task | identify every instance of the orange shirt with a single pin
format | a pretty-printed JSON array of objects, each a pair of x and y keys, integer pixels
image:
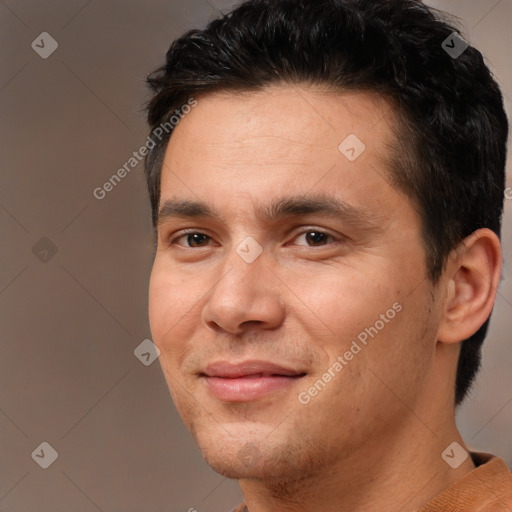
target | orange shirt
[{"x": 488, "y": 488}]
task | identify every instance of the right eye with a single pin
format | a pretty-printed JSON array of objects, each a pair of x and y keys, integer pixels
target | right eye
[{"x": 192, "y": 237}]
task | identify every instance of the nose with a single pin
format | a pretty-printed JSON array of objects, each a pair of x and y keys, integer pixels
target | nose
[{"x": 248, "y": 293}]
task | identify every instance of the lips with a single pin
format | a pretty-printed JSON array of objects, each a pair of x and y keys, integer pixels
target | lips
[
  {"x": 247, "y": 381},
  {"x": 227, "y": 370}
]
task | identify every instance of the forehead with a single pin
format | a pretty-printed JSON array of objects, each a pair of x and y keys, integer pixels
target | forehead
[
  {"x": 299, "y": 114},
  {"x": 283, "y": 138}
]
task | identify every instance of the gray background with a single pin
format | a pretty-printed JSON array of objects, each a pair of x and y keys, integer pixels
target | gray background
[{"x": 69, "y": 325}]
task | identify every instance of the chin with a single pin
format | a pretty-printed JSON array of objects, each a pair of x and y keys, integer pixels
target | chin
[
  {"x": 230, "y": 469},
  {"x": 245, "y": 458},
  {"x": 247, "y": 463}
]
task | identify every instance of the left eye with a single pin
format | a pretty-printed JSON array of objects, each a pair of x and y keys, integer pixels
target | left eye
[{"x": 313, "y": 237}]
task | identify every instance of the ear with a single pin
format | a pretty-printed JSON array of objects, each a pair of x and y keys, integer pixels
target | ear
[{"x": 471, "y": 277}]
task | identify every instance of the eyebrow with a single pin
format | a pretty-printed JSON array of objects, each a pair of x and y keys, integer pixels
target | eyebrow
[{"x": 275, "y": 210}]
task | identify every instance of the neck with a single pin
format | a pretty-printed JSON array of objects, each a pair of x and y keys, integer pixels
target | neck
[
  {"x": 398, "y": 476},
  {"x": 398, "y": 469}
]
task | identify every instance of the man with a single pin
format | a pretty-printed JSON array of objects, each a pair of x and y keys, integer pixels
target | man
[{"x": 327, "y": 214}]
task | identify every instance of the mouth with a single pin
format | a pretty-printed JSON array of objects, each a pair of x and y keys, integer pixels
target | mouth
[{"x": 247, "y": 381}]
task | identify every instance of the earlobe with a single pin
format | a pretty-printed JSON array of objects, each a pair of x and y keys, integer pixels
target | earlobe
[{"x": 473, "y": 275}]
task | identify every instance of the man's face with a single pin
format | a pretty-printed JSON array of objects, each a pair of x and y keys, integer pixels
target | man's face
[{"x": 252, "y": 312}]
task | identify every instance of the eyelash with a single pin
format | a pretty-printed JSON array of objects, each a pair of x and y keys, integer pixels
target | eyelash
[{"x": 172, "y": 241}]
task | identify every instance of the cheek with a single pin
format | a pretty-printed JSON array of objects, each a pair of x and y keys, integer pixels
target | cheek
[
  {"x": 167, "y": 304},
  {"x": 173, "y": 313},
  {"x": 373, "y": 326},
  {"x": 343, "y": 303},
  {"x": 159, "y": 302}
]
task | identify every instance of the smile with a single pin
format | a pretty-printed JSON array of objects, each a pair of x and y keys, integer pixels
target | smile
[{"x": 249, "y": 387}]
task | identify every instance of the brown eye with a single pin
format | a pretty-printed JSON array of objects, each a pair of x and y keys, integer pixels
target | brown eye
[
  {"x": 315, "y": 238},
  {"x": 193, "y": 239},
  {"x": 196, "y": 238}
]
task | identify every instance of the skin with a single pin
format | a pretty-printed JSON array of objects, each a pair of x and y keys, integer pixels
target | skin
[{"x": 372, "y": 438}]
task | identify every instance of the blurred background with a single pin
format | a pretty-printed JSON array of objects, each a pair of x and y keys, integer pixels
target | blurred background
[{"x": 74, "y": 268}]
